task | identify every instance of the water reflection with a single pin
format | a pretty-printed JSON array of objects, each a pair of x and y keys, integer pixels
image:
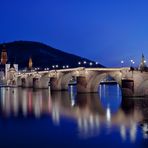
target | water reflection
[
  {"x": 110, "y": 97},
  {"x": 16, "y": 101},
  {"x": 93, "y": 115}
]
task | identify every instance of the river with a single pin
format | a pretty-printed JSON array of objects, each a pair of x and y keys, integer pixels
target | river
[{"x": 41, "y": 118}]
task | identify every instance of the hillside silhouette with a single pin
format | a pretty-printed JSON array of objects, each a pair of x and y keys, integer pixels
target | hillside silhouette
[{"x": 42, "y": 55}]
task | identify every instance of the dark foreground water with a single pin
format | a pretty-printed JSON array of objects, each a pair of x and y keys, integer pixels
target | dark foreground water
[{"x": 41, "y": 119}]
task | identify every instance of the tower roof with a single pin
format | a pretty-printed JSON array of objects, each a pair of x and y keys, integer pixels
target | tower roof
[
  {"x": 4, "y": 55},
  {"x": 30, "y": 63}
]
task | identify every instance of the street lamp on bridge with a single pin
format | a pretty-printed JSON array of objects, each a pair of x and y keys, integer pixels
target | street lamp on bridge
[
  {"x": 84, "y": 62},
  {"x": 90, "y": 63},
  {"x": 132, "y": 62},
  {"x": 122, "y": 62},
  {"x": 79, "y": 63}
]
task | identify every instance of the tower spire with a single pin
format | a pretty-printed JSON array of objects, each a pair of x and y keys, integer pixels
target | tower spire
[
  {"x": 142, "y": 65},
  {"x": 30, "y": 63},
  {"x": 4, "y": 56}
]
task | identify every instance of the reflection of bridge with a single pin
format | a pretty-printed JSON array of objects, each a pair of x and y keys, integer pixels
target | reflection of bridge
[
  {"x": 87, "y": 110},
  {"x": 133, "y": 83}
]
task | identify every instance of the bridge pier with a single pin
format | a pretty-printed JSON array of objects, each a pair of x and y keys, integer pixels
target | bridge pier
[
  {"x": 127, "y": 87},
  {"x": 82, "y": 85},
  {"x": 27, "y": 82},
  {"x": 19, "y": 81},
  {"x": 86, "y": 85},
  {"x": 55, "y": 84},
  {"x": 42, "y": 82}
]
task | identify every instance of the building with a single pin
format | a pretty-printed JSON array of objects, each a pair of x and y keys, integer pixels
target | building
[{"x": 7, "y": 71}]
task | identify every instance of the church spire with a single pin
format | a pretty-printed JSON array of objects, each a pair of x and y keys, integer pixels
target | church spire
[
  {"x": 30, "y": 63},
  {"x": 142, "y": 65},
  {"x": 4, "y": 56}
]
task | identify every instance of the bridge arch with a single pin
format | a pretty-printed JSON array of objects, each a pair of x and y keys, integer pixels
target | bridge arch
[
  {"x": 66, "y": 78},
  {"x": 91, "y": 81},
  {"x": 142, "y": 89}
]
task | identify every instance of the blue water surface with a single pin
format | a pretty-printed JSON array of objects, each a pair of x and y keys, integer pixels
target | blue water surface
[{"x": 43, "y": 119}]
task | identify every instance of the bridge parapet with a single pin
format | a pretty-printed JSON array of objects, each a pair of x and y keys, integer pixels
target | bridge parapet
[{"x": 88, "y": 79}]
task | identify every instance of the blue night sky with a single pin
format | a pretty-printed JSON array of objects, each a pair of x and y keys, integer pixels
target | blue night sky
[{"x": 106, "y": 31}]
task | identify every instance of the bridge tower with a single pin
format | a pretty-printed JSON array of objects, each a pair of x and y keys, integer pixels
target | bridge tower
[
  {"x": 3, "y": 62},
  {"x": 4, "y": 56}
]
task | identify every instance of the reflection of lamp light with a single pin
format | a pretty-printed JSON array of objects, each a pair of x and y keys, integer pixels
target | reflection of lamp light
[
  {"x": 145, "y": 130},
  {"x": 88, "y": 126},
  {"x": 133, "y": 131},
  {"x": 72, "y": 102},
  {"x": 24, "y": 105},
  {"x": 37, "y": 109},
  {"x": 72, "y": 94},
  {"x": 97, "y": 120},
  {"x": 80, "y": 123},
  {"x": 108, "y": 114},
  {"x": 15, "y": 102},
  {"x": 85, "y": 125},
  {"x": 91, "y": 121},
  {"x": 55, "y": 114},
  {"x": 123, "y": 132}
]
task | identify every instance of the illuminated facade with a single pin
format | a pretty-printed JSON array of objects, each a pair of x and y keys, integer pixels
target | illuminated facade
[{"x": 10, "y": 69}]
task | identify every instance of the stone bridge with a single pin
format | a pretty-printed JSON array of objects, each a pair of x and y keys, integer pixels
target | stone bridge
[{"x": 132, "y": 83}]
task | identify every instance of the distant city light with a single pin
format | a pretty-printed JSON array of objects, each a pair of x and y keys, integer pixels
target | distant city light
[
  {"x": 57, "y": 66},
  {"x": 96, "y": 63},
  {"x": 67, "y": 66},
  {"x": 63, "y": 66},
  {"x": 53, "y": 66}
]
